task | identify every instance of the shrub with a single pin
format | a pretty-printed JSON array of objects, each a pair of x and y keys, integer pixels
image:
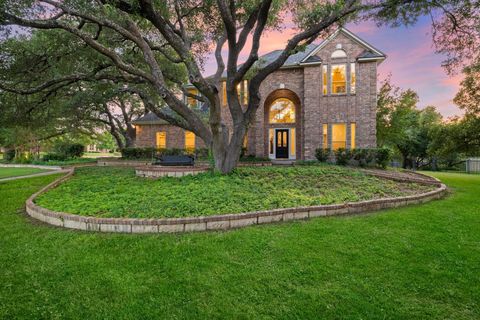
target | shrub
[
  {"x": 54, "y": 157},
  {"x": 9, "y": 155},
  {"x": 138, "y": 153},
  {"x": 69, "y": 150},
  {"x": 342, "y": 156},
  {"x": 322, "y": 154},
  {"x": 383, "y": 157},
  {"x": 149, "y": 152},
  {"x": 201, "y": 153},
  {"x": 363, "y": 157}
]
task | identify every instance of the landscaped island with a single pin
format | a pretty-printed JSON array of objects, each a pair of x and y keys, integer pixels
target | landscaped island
[{"x": 117, "y": 192}]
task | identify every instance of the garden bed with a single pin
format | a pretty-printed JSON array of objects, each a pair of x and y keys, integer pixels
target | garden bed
[{"x": 118, "y": 193}]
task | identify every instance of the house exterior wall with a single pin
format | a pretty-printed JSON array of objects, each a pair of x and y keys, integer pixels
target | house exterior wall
[
  {"x": 317, "y": 109},
  {"x": 304, "y": 86},
  {"x": 146, "y": 136}
]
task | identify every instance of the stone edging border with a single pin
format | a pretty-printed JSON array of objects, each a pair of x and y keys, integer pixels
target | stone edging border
[{"x": 219, "y": 222}]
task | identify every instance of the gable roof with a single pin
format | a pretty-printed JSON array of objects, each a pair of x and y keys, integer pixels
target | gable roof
[
  {"x": 292, "y": 61},
  {"x": 375, "y": 53},
  {"x": 149, "y": 118},
  {"x": 308, "y": 56}
]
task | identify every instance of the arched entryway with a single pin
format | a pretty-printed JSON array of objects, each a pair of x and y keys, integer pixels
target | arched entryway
[{"x": 282, "y": 125}]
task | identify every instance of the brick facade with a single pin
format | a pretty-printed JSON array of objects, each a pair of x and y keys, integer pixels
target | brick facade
[
  {"x": 303, "y": 84},
  {"x": 146, "y": 136}
]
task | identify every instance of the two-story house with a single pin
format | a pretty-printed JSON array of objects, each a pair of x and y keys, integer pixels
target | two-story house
[{"x": 323, "y": 97}]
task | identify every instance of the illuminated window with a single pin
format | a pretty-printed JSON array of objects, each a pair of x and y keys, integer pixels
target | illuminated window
[
  {"x": 339, "y": 79},
  {"x": 161, "y": 140},
  {"x": 353, "y": 78},
  {"x": 245, "y": 91},
  {"x": 339, "y": 53},
  {"x": 339, "y": 136},
  {"x": 282, "y": 111},
  {"x": 189, "y": 140},
  {"x": 353, "y": 133},
  {"x": 245, "y": 141},
  {"x": 224, "y": 93},
  {"x": 325, "y": 73},
  {"x": 270, "y": 140},
  {"x": 242, "y": 91},
  {"x": 292, "y": 142},
  {"x": 192, "y": 102},
  {"x": 325, "y": 136}
]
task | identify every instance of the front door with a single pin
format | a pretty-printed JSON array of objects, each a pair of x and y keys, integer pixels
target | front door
[{"x": 281, "y": 144}]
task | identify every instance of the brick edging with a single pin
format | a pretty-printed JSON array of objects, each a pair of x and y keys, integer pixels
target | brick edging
[{"x": 217, "y": 222}]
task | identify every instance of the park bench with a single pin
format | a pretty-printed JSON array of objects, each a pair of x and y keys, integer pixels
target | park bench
[{"x": 180, "y": 160}]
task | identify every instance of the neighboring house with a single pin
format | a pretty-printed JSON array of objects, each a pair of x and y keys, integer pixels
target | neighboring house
[
  {"x": 324, "y": 97},
  {"x": 96, "y": 148}
]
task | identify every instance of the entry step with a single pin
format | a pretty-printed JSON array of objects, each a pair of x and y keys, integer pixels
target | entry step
[{"x": 282, "y": 162}]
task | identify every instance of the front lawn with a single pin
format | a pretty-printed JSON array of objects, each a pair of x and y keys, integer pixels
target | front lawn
[
  {"x": 117, "y": 192},
  {"x": 416, "y": 262},
  {"x": 7, "y": 172}
]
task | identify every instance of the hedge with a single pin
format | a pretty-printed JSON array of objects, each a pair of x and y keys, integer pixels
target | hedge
[
  {"x": 150, "y": 152},
  {"x": 362, "y": 157}
]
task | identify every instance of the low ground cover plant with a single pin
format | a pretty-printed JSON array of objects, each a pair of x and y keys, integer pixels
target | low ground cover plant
[
  {"x": 414, "y": 262},
  {"x": 117, "y": 192}
]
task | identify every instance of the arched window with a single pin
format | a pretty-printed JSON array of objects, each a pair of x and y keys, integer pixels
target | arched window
[
  {"x": 339, "y": 53},
  {"x": 282, "y": 111}
]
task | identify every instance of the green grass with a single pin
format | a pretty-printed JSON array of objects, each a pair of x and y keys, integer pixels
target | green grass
[
  {"x": 416, "y": 262},
  {"x": 16, "y": 172},
  {"x": 117, "y": 192}
]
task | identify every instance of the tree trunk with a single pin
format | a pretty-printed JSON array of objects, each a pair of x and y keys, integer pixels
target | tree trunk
[
  {"x": 227, "y": 153},
  {"x": 130, "y": 135},
  {"x": 118, "y": 138}
]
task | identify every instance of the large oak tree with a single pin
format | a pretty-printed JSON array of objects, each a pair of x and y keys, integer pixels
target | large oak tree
[{"x": 136, "y": 36}]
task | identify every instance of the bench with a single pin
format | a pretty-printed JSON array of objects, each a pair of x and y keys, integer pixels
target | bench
[{"x": 184, "y": 160}]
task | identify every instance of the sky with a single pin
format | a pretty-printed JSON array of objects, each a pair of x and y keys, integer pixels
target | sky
[{"x": 411, "y": 60}]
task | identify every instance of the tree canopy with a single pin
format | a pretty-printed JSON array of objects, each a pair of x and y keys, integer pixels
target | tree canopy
[{"x": 149, "y": 47}]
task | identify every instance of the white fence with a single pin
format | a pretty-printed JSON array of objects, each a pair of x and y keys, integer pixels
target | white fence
[{"x": 473, "y": 165}]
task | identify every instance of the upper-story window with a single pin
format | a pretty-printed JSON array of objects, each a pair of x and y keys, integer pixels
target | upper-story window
[
  {"x": 339, "y": 53},
  {"x": 339, "y": 79},
  {"x": 282, "y": 111},
  {"x": 353, "y": 78},
  {"x": 242, "y": 90},
  {"x": 191, "y": 101},
  {"x": 324, "y": 79},
  {"x": 224, "y": 93}
]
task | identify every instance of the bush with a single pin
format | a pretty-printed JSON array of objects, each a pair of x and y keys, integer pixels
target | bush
[
  {"x": 342, "y": 156},
  {"x": 54, "y": 157},
  {"x": 383, "y": 157},
  {"x": 9, "y": 155},
  {"x": 363, "y": 157},
  {"x": 138, "y": 153},
  {"x": 201, "y": 153},
  {"x": 149, "y": 152},
  {"x": 322, "y": 154},
  {"x": 68, "y": 150}
]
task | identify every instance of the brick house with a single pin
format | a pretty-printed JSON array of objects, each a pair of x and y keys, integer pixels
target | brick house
[{"x": 323, "y": 97}]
